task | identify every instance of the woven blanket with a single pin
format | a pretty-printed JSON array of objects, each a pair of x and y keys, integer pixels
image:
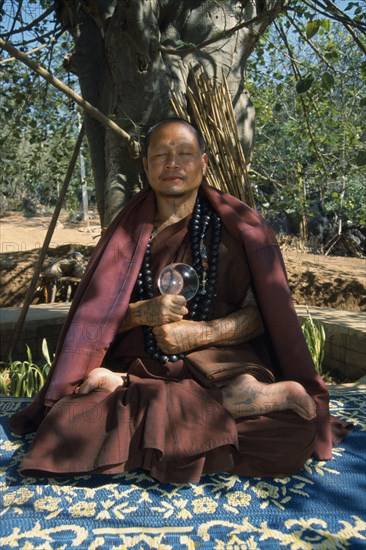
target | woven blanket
[{"x": 321, "y": 508}]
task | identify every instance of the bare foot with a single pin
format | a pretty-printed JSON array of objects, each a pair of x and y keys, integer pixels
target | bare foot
[
  {"x": 245, "y": 396},
  {"x": 101, "y": 379}
]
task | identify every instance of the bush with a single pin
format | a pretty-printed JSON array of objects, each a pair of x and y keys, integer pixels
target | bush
[
  {"x": 315, "y": 338},
  {"x": 25, "y": 378}
]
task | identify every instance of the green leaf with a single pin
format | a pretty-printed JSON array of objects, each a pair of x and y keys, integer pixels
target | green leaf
[
  {"x": 350, "y": 6},
  {"x": 326, "y": 24},
  {"x": 312, "y": 27},
  {"x": 180, "y": 44},
  {"x": 331, "y": 54},
  {"x": 4, "y": 383},
  {"x": 29, "y": 383},
  {"x": 363, "y": 102},
  {"x": 29, "y": 354},
  {"x": 304, "y": 84},
  {"x": 360, "y": 159},
  {"x": 45, "y": 351},
  {"x": 327, "y": 80},
  {"x": 315, "y": 338}
]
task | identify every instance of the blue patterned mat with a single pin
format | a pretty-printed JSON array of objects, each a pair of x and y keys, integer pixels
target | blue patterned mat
[{"x": 322, "y": 508}]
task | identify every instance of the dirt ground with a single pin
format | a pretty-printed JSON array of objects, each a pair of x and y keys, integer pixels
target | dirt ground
[{"x": 332, "y": 281}]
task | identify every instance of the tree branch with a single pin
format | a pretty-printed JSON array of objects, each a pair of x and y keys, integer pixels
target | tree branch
[
  {"x": 33, "y": 24},
  {"x": 343, "y": 18},
  {"x": 266, "y": 177},
  {"x": 90, "y": 109},
  {"x": 332, "y": 11},
  {"x": 217, "y": 37},
  {"x": 8, "y": 59},
  {"x": 20, "y": 5},
  {"x": 355, "y": 38},
  {"x": 309, "y": 42},
  {"x": 304, "y": 108},
  {"x": 41, "y": 38}
]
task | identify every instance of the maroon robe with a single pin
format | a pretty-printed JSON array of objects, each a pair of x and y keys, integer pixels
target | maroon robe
[{"x": 164, "y": 421}]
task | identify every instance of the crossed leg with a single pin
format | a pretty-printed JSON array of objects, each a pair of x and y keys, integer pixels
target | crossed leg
[{"x": 246, "y": 396}]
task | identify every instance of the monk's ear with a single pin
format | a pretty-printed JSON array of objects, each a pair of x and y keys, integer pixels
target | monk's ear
[
  {"x": 144, "y": 162},
  {"x": 204, "y": 163}
]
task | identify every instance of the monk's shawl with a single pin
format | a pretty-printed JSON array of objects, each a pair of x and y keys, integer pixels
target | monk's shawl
[{"x": 103, "y": 295}]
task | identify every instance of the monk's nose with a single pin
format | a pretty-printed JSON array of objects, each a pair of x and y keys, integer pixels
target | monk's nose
[{"x": 172, "y": 159}]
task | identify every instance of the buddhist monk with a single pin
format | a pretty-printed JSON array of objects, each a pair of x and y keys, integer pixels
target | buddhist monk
[{"x": 182, "y": 353}]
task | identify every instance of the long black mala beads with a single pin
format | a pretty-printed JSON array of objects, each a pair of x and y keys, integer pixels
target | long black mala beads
[{"x": 205, "y": 263}]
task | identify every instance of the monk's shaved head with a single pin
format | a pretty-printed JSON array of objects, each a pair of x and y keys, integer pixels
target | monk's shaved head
[{"x": 195, "y": 131}]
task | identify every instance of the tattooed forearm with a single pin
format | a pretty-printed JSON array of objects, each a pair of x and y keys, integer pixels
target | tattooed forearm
[
  {"x": 176, "y": 335},
  {"x": 238, "y": 327}
]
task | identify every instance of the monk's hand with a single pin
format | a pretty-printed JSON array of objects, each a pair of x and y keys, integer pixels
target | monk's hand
[
  {"x": 101, "y": 379},
  {"x": 181, "y": 336},
  {"x": 156, "y": 311}
]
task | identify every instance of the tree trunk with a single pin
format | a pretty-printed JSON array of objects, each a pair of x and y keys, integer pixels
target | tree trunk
[{"x": 130, "y": 54}]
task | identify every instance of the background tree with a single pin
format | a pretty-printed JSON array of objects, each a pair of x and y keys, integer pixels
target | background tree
[
  {"x": 129, "y": 55},
  {"x": 312, "y": 107},
  {"x": 38, "y": 125},
  {"x": 35, "y": 121}
]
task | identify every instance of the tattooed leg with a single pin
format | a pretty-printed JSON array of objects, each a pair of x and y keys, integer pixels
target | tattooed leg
[{"x": 245, "y": 396}]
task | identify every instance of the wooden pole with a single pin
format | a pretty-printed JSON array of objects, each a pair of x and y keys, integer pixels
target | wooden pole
[
  {"x": 41, "y": 47},
  {"x": 90, "y": 109},
  {"x": 34, "y": 281}
]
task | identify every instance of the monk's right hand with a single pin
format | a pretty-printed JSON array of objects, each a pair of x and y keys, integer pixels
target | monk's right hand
[{"x": 156, "y": 311}]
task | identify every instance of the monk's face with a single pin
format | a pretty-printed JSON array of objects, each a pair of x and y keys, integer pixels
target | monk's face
[{"x": 174, "y": 164}]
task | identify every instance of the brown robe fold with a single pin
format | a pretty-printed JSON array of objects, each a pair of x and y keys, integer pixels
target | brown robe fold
[{"x": 164, "y": 421}]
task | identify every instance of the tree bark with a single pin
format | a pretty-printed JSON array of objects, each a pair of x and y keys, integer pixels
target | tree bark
[{"x": 129, "y": 55}]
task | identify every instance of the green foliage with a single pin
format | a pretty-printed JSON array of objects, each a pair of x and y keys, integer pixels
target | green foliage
[
  {"x": 314, "y": 334},
  {"x": 351, "y": 207},
  {"x": 312, "y": 27},
  {"x": 360, "y": 158},
  {"x": 307, "y": 79},
  {"x": 304, "y": 84},
  {"x": 4, "y": 382},
  {"x": 25, "y": 378},
  {"x": 39, "y": 130},
  {"x": 39, "y": 125},
  {"x": 309, "y": 93}
]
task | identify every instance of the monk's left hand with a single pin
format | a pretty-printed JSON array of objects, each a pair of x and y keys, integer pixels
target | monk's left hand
[
  {"x": 180, "y": 336},
  {"x": 100, "y": 379}
]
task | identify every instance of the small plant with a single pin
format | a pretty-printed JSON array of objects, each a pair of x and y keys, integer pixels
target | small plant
[
  {"x": 315, "y": 338},
  {"x": 4, "y": 379},
  {"x": 25, "y": 378}
]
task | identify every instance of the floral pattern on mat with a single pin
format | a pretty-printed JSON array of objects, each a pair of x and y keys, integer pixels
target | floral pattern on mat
[{"x": 321, "y": 508}]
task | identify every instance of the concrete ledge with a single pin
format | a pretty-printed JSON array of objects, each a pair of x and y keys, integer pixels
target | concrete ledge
[
  {"x": 345, "y": 349},
  {"x": 42, "y": 321},
  {"x": 345, "y": 344}
]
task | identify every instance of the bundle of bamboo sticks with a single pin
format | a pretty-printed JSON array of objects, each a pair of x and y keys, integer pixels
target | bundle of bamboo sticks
[{"x": 211, "y": 106}]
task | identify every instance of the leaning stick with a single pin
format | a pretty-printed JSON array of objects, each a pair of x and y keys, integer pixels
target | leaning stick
[
  {"x": 41, "y": 47},
  {"x": 88, "y": 107},
  {"x": 33, "y": 284}
]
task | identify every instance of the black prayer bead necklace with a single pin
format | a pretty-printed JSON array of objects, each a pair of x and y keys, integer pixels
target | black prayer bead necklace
[{"x": 205, "y": 264}]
